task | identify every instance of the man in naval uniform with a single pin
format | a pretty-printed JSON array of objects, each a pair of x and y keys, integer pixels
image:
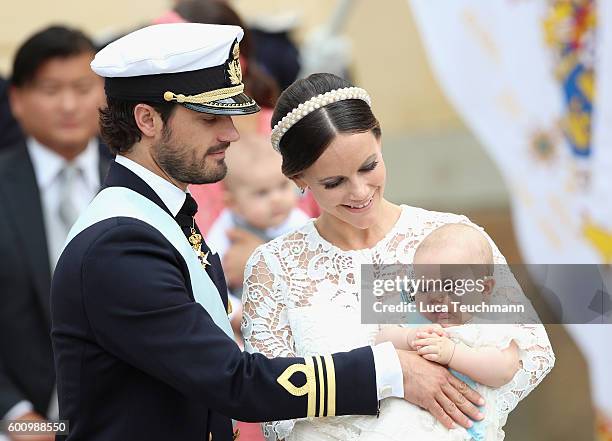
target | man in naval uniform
[{"x": 142, "y": 342}]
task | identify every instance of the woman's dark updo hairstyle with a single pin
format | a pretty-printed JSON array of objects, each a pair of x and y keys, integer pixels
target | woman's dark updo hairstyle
[{"x": 306, "y": 140}]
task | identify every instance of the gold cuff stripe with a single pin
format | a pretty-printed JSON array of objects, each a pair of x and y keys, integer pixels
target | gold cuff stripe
[
  {"x": 321, "y": 385},
  {"x": 331, "y": 385},
  {"x": 326, "y": 382},
  {"x": 311, "y": 383},
  {"x": 309, "y": 388},
  {"x": 205, "y": 97}
]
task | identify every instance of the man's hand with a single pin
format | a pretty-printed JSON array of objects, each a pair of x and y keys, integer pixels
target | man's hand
[
  {"x": 434, "y": 388},
  {"x": 31, "y": 416},
  {"x": 236, "y": 257}
]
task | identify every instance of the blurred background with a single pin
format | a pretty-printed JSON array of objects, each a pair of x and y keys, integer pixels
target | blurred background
[
  {"x": 427, "y": 147},
  {"x": 438, "y": 145}
]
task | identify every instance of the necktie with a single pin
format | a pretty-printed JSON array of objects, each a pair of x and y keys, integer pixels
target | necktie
[{"x": 68, "y": 211}]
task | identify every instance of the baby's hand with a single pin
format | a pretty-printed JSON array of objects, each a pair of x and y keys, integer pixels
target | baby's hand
[
  {"x": 431, "y": 330},
  {"x": 435, "y": 348}
]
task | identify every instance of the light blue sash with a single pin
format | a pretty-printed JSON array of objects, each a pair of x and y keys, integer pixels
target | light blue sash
[{"x": 123, "y": 202}]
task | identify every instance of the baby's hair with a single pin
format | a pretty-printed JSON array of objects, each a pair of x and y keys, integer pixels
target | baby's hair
[{"x": 460, "y": 236}]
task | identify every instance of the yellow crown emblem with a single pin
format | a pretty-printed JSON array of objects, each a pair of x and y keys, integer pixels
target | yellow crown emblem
[{"x": 234, "y": 69}]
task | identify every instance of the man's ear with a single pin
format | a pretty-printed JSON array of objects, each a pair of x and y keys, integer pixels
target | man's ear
[{"x": 148, "y": 120}]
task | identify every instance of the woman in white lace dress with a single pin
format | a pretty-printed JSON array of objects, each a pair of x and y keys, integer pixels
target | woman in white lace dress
[{"x": 302, "y": 290}]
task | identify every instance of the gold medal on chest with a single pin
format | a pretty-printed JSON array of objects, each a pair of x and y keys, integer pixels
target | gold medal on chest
[{"x": 196, "y": 243}]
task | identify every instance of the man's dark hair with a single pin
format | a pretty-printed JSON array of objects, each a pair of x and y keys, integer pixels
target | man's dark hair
[
  {"x": 52, "y": 42},
  {"x": 118, "y": 127}
]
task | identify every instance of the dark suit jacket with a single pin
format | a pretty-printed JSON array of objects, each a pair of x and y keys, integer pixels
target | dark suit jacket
[
  {"x": 10, "y": 132},
  {"x": 138, "y": 359},
  {"x": 26, "y": 358}
]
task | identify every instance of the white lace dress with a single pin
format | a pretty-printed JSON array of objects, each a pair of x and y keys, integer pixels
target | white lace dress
[{"x": 301, "y": 297}]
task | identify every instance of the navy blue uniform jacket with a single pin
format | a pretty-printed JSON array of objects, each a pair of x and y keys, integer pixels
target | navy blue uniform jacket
[{"x": 138, "y": 359}]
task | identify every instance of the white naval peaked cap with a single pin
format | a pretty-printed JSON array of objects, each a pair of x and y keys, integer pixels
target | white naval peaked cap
[
  {"x": 196, "y": 65},
  {"x": 167, "y": 48}
]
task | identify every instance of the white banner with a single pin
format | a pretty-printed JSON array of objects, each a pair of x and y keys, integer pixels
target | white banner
[{"x": 530, "y": 78}]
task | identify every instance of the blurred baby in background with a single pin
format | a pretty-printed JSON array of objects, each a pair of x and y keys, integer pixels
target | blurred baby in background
[{"x": 258, "y": 198}]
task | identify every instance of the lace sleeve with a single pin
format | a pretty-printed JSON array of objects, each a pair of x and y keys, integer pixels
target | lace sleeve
[
  {"x": 535, "y": 351},
  {"x": 264, "y": 322}
]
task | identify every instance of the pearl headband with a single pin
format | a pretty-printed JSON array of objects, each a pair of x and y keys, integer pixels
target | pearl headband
[{"x": 348, "y": 93}]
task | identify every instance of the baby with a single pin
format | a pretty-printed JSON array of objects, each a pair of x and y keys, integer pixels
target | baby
[
  {"x": 258, "y": 199},
  {"x": 469, "y": 257}
]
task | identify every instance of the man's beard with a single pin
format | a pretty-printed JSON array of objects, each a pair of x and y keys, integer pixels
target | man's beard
[{"x": 182, "y": 163}]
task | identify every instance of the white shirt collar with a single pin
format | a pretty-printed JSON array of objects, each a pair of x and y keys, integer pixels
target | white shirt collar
[
  {"x": 172, "y": 196},
  {"x": 47, "y": 163}
]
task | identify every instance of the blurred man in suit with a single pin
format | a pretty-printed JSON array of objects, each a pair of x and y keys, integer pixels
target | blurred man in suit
[
  {"x": 10, "y": 133},
  {"x": 45, "y": 181}
]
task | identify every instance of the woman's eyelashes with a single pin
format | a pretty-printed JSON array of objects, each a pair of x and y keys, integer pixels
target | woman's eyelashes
[
  {"x": 367, "y": 168},
  {"x": 371, "y": 166},
  {"x": 333, "y": 184}
]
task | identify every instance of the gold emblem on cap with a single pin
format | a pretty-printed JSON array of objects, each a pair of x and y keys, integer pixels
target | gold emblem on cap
[
  {"x": 234, "y": 70},
  {"x": 210, "y": 98}
]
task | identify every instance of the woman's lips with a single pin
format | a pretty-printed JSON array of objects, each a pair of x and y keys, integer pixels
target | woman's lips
[{"x": 361, "y": 209}]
